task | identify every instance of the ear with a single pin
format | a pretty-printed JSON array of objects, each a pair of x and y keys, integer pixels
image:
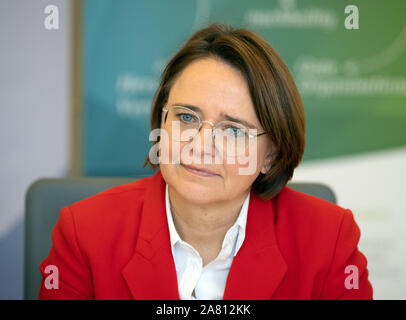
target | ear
[{"x": 268, "y": 161}]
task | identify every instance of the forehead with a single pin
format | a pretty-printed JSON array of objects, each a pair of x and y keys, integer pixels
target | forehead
[{"x": 215, "y": 87}]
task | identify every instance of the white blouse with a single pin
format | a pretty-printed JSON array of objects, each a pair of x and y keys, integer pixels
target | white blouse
[{"x": 208, "y": 282}]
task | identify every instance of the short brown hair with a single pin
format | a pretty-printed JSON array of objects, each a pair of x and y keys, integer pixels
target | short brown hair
[{"x": 276, "y": 100}]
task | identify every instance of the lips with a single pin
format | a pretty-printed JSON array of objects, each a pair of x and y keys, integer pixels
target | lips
[{"x": 199, "y": 171}]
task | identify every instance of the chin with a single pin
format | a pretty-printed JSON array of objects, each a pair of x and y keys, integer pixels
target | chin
[
  {"x": 193, "y": 188},
  {"x": 198, "y": 194}
]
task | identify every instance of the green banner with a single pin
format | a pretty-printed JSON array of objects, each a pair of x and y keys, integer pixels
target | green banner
[{"x": 348, "y": 59}]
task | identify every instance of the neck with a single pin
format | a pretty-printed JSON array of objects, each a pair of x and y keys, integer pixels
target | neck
[{"x": 204, "y": 226}]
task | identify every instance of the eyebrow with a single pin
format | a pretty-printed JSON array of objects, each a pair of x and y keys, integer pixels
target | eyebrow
[{"x": 225, "y": 116}]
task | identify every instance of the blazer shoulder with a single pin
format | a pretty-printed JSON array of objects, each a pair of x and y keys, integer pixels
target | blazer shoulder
[
  {"x": 314, "y": 224},
  {"x": 304, "y": 203},
  {"x": 137, "y": 186},
  {"x": 113, "y": 203},
  {"x": 308, "y": 212}
]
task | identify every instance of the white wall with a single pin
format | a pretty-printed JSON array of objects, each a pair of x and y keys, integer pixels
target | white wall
[{"x": 34, "y": 118}]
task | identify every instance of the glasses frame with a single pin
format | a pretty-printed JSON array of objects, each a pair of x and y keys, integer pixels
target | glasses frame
[{"x": 214, "y": 125}]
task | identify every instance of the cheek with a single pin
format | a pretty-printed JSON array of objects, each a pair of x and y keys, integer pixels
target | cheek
[
  {"x": 236, "y": 183},
  {"x": 169, "y": 150},
  {"x": 250, "y": 163},
  {"x": 242, "y": 174}
]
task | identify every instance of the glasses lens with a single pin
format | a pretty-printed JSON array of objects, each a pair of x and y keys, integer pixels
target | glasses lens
[
  {"x": 182, "y": 123},
  {"x": 231, "y": 139}
]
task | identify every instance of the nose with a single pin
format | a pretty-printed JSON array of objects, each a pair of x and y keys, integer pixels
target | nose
[{"x": 203, "y": 142}]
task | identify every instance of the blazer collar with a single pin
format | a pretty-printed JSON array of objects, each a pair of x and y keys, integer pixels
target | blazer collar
[{"x": 256, "y": 270}]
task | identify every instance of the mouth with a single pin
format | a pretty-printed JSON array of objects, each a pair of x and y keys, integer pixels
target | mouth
[{"x": 199, "y": 171}]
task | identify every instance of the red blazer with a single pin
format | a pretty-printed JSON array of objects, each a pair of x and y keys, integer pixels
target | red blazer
[{"x": 115, "y": 245}]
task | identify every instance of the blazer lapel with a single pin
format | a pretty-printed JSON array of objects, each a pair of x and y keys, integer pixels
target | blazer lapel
[
  {"x": 151, "y": 273},
  {"x": 258, "y": 267}
]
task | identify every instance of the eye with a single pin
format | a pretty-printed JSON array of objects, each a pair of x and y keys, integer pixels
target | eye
[
  {"x": 235, "y": 132},
  {"x": 186, "y": 118}
]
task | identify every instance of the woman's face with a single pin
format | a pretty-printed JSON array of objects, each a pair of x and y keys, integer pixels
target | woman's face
[{"x": 219, "y": 92}]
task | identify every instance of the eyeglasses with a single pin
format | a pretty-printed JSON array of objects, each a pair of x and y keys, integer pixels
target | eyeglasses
[{"x": 230, "y": 138}]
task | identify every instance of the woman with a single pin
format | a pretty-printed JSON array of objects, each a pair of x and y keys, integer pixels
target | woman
[{"x": 217, "y": 221}]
